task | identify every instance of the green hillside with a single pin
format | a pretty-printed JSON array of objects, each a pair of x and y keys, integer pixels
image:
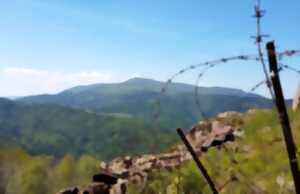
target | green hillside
[
  {"x": 56, "y": 130},
  {"x": 137, "y": 98},
  {"x": 255, "y": 163}
]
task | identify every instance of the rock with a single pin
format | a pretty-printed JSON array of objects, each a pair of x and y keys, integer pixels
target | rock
[
  {"x": 74, "y": 190},
  {"x": 120, "y": 187},
  {"x": 117, "y": 173},
  {"x": 228, "y": 114},
  {"x": 105, "y": 178},
  {"x": 97, "y": 188},
  {"x": 296, "y": 101},
  {"x": 219, "y": 134}
]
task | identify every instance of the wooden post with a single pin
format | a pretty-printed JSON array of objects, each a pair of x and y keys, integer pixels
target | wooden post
[
  {"x": 196, "y": 159},
  {"x": 283, "y": 116}
]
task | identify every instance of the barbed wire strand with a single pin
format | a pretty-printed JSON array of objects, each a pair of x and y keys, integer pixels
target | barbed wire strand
[
  {"x": 263, "y": 82},
  {"x": 288, "y": 53},
  {"x": 200, "y": 75},
  {"x": 193, "y": 67},
  {"x": 197, "y": 99},
  {"x": 258, "y": 85},
  {"x": 258, "y": 40},
  {"x": 290, "y": 68},
  {"x": 259, "y": 13}
]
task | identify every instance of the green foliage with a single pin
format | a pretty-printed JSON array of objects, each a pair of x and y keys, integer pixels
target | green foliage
[
  {"x": 24, "y": 174},
  {"x": 255, "y": 163},
  {"x": 57, "y": 131},
  {"x": 182, "y": 180},
  {"x": 137, "y": 98}
]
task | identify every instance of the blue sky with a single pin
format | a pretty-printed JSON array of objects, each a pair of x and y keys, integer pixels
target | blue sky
[{"x": 47, "y": 46}]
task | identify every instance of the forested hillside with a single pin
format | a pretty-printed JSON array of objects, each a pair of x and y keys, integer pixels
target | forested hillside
[
  {"x": 56, "y": 131},
  {"x": 138, "y": 98},
  {"x": 109, "y": 120},
  {"x": 255, "y": 163}
]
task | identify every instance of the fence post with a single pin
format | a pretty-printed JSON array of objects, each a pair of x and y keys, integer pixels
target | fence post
[
  {"x": 283, "y": 116},
  {"x": 196, "y": 159}
]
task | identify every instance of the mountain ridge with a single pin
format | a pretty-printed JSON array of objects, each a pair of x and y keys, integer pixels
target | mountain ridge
[
  {"x": 147, "y": 81},
  {"x": 138, "y": 97}
]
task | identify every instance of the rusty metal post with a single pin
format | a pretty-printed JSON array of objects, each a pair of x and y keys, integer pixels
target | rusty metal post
[
  {"x": 198, "y": 162},
  {"x": 283, "y": 116}
]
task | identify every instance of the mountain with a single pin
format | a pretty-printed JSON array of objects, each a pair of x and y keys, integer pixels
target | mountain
[
  {"x": 57, "y": 130},
  {"x": 137, "y": 97},
  {"x": 108, "y": 120}
]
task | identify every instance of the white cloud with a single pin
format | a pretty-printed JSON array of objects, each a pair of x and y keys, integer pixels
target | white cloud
[{"x": 16, "y": 81}]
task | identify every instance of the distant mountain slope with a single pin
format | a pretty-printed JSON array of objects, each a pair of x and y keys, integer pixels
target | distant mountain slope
[
  {"x": 56, "y": 130},
  {"x": 137, "y": 97}
]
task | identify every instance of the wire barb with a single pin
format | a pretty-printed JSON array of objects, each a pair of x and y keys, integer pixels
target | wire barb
[
  {"x": 283, "y": 66},
  {"x": 263, "y": 82},
  {"x": 254, "y": 88},
  {"x": 206, "y": 65},
  {"x": 259, "y": 13},
  {"x": 288, "y": 53}
]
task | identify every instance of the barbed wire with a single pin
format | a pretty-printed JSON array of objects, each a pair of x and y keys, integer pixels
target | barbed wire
[
  {"x": 259, "y": 13},
  {"x": 197, "y": 87},
  {"x": 288, "y": 53},
  {"x": 207, "y": 64},
  {"x": 197, "y": 99},
  {"x": 283, "y": 66},
  {"x": 263, "y": 82},
  {"x": 258, "y": 85}
]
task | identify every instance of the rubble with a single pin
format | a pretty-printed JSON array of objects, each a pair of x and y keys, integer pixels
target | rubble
[{"x": 117, "y": 173}]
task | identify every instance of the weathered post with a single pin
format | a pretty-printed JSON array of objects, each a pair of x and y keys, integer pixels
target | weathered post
[
  {"x": 196, "y": 159},
  {"x": 283, "y": 116}
]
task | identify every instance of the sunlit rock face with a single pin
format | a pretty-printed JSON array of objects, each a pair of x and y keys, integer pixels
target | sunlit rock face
[{"x": 296, "y": 101}]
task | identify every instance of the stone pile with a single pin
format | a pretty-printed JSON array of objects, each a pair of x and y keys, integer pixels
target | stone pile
[{"x": 116, "y": 174}]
